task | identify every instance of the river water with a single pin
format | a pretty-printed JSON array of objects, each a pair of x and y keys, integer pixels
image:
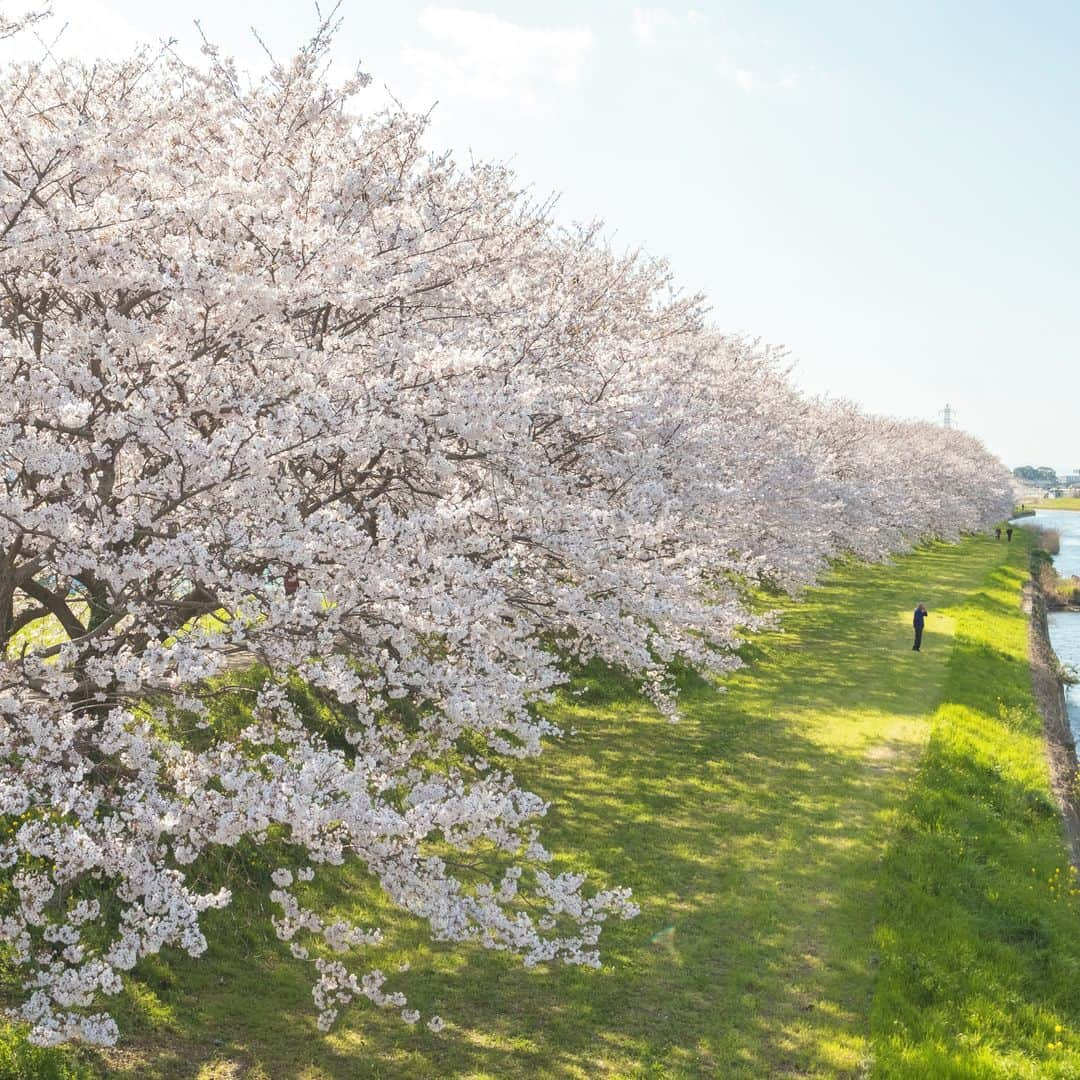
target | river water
[{"x": 1065, "y": 625}]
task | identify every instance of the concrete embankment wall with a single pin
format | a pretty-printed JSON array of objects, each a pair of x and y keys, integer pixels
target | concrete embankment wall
[{"x": 1049, "y": 693}]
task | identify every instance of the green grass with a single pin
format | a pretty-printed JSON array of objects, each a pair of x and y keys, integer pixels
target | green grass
[
  {"x": 43, "y": 633},
  {"x": 978, "y": 938},
  {"x": 1054, "y": 504},
  {"x": 844, "y": 863}
]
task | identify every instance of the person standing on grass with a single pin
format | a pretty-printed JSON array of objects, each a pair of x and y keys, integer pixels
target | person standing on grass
[
  {"x": 1008, "y": 533},
  {"x": 997, "y": 533},
  {"x": 918, "y": 622}
]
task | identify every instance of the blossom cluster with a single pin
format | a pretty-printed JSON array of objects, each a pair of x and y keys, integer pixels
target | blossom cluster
[{"x": 281, "y": 387}]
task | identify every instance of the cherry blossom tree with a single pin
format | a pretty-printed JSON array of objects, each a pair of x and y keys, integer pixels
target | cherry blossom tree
[
  {"x": 280, "y": 388},
  {"x": 12, "y": 24}
]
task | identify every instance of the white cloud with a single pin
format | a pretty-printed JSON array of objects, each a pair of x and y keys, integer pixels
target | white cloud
[
  {"x": 647, "y": 24},
  {"x": 744, "y": 62},
  {"x": 754, "y": 81},
  {"x": 482, "y": 57},
  {"x": 744, "y": 80}
]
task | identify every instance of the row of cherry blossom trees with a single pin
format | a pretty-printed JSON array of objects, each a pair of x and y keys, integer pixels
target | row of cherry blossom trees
[{"x": 281, "y": 387}]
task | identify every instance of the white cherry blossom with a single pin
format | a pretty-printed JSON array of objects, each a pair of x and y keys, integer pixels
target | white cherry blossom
[{"x": 281, "y": 388}]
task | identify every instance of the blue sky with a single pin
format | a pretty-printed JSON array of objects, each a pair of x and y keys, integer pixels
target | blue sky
[{"x": 888, "y": 190}]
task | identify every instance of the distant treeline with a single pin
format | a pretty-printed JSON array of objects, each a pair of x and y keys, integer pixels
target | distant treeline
[{"x": 1037, "y": 474}]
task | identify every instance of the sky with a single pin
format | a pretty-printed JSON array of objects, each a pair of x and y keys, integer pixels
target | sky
[{"x": 888, "y": 190}]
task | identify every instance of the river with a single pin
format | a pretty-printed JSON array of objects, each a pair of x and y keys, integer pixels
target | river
[{"x": 1065, "y": 625}]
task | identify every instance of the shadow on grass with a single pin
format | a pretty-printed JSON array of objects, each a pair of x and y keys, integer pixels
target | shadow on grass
[
  {"x": 751, "y": 833},
  {"x": 980, "y": 936}
]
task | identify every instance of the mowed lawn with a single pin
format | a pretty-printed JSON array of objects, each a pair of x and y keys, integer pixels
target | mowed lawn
[
  {"x": 821, "y": 894},
  {"x": 1063, "y": 503}
]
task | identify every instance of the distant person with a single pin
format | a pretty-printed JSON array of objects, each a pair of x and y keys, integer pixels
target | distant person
[
  {"x": 1008, "y": 533},
  {"x": 997, "y": 533},
  {"x": 918, "y": 622}
]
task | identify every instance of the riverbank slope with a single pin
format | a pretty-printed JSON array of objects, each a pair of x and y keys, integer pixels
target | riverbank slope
[
  {"x": 978, "y": 933},
  {"x": 848, "y": 863}
]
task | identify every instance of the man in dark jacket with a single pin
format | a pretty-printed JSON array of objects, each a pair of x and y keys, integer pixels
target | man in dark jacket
[{"x": 918, "y": 622}]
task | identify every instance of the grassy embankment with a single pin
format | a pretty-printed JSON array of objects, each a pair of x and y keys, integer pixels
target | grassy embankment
[
  {"x": 850, "y": 859},
  {"x": 1054, "y": 504}
]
